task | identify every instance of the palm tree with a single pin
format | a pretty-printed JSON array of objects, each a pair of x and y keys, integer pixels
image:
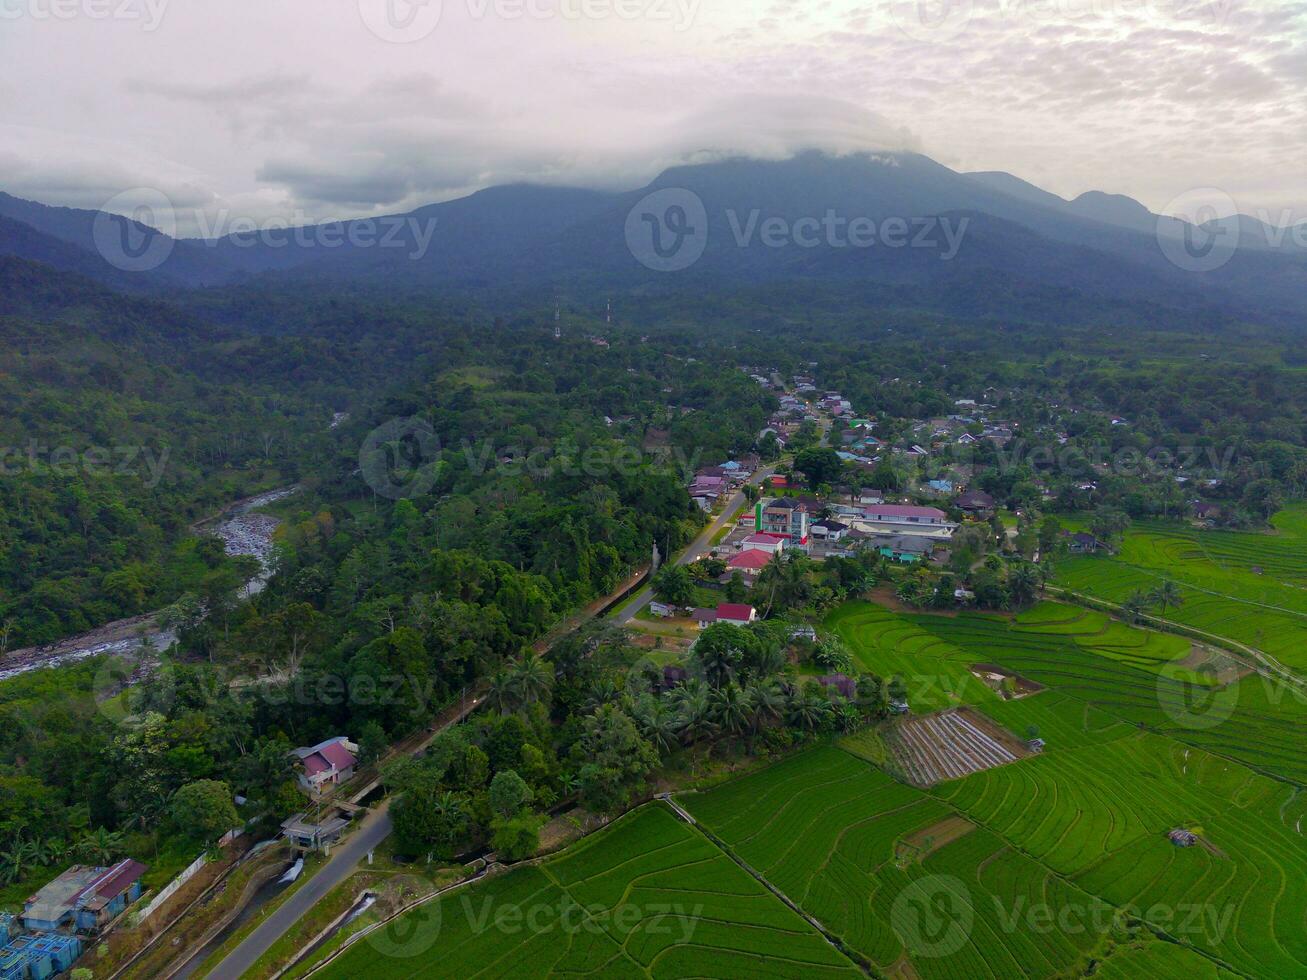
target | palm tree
[
  {"x": 1025, "y": 583},
  {"x": 1135, "y": 606},
  {"x": 693, "y": 712},
  {"x": 767, "y": 703},
  {"x": 1168, "y": 596},
  {"x": 731, "y": 709},
  {"x": 100, "y": 845},
  {"x": 807, "y": 711},
  {"x": 502, "y": 694},
  {"x": 14, "y": 862},
  {"x": 660, "y": 727},
  {"x": 534, "y": 678}
]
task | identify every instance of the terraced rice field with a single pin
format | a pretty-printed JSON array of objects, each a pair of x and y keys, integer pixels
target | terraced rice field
[
  {"x": 949, "y": 745},
  {"x": 1249, "y": 587},
  {"x": 825, "y": 828},
  {"x": 648, "y": 897},
  {"x": 1119, "y": 676}
]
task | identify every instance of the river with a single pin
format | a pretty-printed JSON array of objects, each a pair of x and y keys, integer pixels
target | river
[{"x": 244, "y": 530}]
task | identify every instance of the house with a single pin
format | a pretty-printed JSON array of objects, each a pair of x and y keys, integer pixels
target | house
[
  {"x": 975, "y": 503},
  {"x": 1206, "y": 512},
  {"x": 907, "y": 549},
  {"x": 749, "y": 563},
  {"x": 940, "y": 486},
  {"x": 703, "y": 618},
  {"x": 317, "y": 834},
  {"x": 84, "y": 899},
  {"x": 843, "y": 685},
  {"x": 1081, "y": 543},
  {"x": 867, "y": 497},
  {"x": 661, "y": 609},
  {"x": 785, "y": 517},
  {"x": 326, "y": 764},
  {"x": 765, "y": 542},
  {"x": 830, "y": 530},
  {"x": 905, "y": 514},
  {"x": 736, "y": 613},
  {"x": 803, "y": 633}
]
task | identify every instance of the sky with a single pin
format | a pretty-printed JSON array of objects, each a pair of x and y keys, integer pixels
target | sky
[{"x": 304, "y": 110}]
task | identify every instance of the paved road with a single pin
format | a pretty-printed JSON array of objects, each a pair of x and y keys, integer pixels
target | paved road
[
  {"x": 375, "y": 828},
  {"x": 697, "y": 548}
]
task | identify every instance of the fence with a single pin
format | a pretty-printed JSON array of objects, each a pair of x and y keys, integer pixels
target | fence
[{"x": 170, "y": 889}]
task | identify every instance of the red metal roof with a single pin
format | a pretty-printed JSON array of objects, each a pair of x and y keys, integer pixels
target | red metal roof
[
  {"x": 750, "y": 559},
  {"x": 735, "y": 610},
  {"x": 337, "y": 755}
]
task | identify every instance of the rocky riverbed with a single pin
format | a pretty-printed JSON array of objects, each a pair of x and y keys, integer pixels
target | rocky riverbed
[{"x": 244, "y": 530}]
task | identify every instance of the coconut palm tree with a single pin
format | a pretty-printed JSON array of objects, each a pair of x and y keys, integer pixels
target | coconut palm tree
[
  {"x": 767, "y": 703},
  {"x": 1168, "y": 596},
  {"x": 100, "y": 845},
  {"x": 807, "y": 711},
  {"x": 731, "y": 708},
  {"x": 1135, "y": 606},
  {"x": 534, "y": 677},
  {"x": 502, "y": 693}
]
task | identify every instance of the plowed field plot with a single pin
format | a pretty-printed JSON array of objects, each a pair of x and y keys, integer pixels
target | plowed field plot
[
  {"x": 949, "y": 745},
  {"x": 647, "y": 897}
]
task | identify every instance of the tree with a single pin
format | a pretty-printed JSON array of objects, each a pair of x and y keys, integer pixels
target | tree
[
  {"x": 821, "y": 464},
  {"x": 502, "y": 694},
  {"x": 100, "y": 846},
  {"x": 1135, "y": 606},
  {"x": 674, "y": 585},
  {"x": 509, "y": 794},
  {"x": 1024, "y": 582},
  {"x": 731, "y": 709},
  {"x": 534, "y": 679},
  {"x": 205, "y": 810},
  {"x": 517, "y": 838},
  {"x": 372, "y": 743},
  {"x": 1108, "y": 524},
  {"x": 720, "y": 652},
  {"x": 1167, "y": 596},
  {"x": 613, "y": 759}
]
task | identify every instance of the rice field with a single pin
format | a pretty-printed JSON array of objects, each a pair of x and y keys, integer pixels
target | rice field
[
  {"x": 826, "y": 829},
  {"x": 1120, "y": 677},
  {"x": 646, "y": 897},
  {"x": 1246, "y": 586}
]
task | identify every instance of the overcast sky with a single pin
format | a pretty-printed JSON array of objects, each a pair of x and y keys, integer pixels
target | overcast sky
[{"x": 311, "y": 109}]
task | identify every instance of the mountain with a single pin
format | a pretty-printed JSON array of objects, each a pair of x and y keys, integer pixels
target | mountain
[{"x": 1014, "y": 248}]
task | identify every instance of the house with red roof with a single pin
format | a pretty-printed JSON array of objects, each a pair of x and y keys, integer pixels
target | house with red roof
[
  {"x": 326, "y": 764},
  {"x": 736, "y": 613},
  {"x": 765, "y": 542}
]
